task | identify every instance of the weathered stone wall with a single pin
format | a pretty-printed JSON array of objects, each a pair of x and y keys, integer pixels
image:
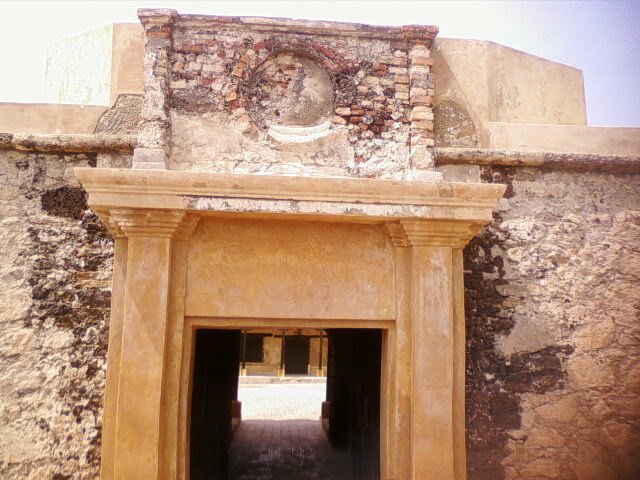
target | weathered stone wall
[
  {"x": 55, "y": 282},
  {"x": 553, "y": 329},
  {"x": 249, "y": 98},
  {"x": 553, "y": 334}
]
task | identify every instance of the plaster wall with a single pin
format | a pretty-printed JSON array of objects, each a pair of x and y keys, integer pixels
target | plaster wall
[
  {"x": 524, "y": 88},
  {"x": 553, "y": 337},
  {"x": 552, "y": 331},
  {"x": 607, "y": 141},
  {"x": 55, "y": 284},
  {"x": 495, "y": 83},
  {"x": 126, "y": 60},
  {"x": 49, "y": 118},
  {"x": 78, "y": 68},
  {"x": 271, "y": 350},
  {"x": 94, "y": 67}
]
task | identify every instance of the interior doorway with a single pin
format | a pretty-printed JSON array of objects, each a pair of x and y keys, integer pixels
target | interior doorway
[
  {"x": 344, "y": 445},
  {"x": 296, "y": 355}
]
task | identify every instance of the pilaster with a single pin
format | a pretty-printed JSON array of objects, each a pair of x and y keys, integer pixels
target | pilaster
[
  {"x": 154, "y": 139},
  {"x": 430, "y": 319},
  {"x": 145, "y": 318},
  {"x": 113, "y": 354}
]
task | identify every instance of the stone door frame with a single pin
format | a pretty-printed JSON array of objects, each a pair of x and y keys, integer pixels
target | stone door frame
[
  {"x": 192, "y": 324},
  {"x": 152, "y": 214}
]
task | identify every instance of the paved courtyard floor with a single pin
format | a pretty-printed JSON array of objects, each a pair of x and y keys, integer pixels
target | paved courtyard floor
[
  {"x": 281, "y": 438},
  {"x": 281, "y": 401}
]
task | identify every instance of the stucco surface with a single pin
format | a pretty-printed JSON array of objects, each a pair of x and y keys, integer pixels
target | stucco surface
[
  {"x": 608, "y": 141},
  {"x": 94, "y": 67},
  {"x": 126, "y": 60},
  {"x": 500, "y": 84},
  {"x": 289, "y": 270},
  {"x": 78, "y": 68},
  {"x": 48, "y": 118}
]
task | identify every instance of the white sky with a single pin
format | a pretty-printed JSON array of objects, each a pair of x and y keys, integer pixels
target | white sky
[{"x": 600, "y": 37}]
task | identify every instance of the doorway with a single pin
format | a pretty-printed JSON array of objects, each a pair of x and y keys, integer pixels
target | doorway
[
  {"x": 296, "y": 355},
  {"x": 345, "y": 445}
]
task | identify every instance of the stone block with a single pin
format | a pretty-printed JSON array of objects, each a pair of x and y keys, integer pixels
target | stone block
[{"x": 149, "y": 158}]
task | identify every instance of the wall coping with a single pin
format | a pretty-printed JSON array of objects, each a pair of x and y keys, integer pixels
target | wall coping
[
  {"x": 425, "y": 33},
  {"x": 575, "y": 162},
  {"x": 68, "y": 143}
]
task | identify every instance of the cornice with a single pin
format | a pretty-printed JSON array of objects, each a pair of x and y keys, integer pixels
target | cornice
[
  {"x": 68, "y": 143},
  {"x": 157, "y": 16},
  {"x": 179, "y": 189}
]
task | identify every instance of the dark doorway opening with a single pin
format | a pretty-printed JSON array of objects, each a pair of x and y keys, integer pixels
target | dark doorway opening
[
  {"x": 296, "y": 356},
  {"x": 353, "y": 394},
  {"x": 351, "y": 413},
  {"x": 215, "y": 388}
]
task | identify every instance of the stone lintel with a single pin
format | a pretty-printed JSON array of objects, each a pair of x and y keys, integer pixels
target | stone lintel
[{"x": 432, "y": 232}]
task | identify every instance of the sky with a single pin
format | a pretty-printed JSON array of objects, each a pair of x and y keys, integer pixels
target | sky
[{"x": 602, "y": 38}]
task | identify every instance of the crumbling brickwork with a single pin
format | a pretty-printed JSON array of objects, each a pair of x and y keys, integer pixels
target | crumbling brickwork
[
  {"x": 56, "y": 283},
  {"x": 553, "y": 337},
  {"x": 356, "y": 102}
]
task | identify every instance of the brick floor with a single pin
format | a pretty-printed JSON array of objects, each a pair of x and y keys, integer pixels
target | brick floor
[{"x": 285, "y": 450}]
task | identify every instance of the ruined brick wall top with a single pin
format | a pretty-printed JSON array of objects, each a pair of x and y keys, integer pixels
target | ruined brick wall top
[{"x": 257, "y": 94}]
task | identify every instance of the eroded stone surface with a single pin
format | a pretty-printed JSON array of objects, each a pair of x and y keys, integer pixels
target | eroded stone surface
[
  {"x": 290, "y": 90},
  {"x": 123, "y": 118},
  {"x": 55, "y": 273},
  {"x": 552, "y": 331}
]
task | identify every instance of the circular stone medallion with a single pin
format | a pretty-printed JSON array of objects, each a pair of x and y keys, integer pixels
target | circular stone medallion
[{"x": 290, "y": 90}]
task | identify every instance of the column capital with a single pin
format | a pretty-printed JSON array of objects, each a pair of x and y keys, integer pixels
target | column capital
[
  {"x": 436, "y": 233},
  {"x": 131, "y": 222}
]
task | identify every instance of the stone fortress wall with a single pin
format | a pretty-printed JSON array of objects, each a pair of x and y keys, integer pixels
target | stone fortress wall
[{"x": 551, "y": 286}]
